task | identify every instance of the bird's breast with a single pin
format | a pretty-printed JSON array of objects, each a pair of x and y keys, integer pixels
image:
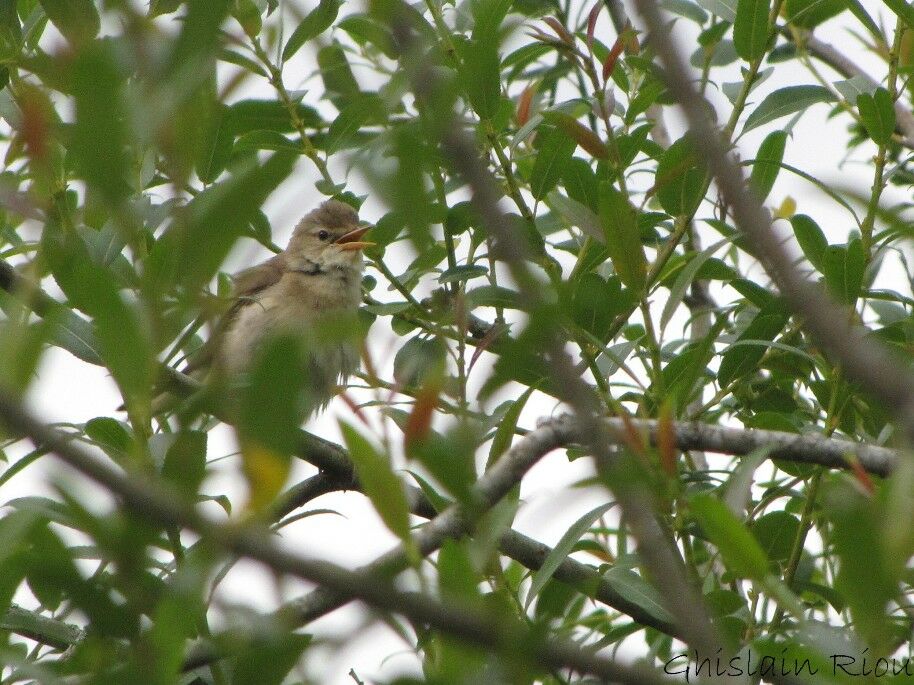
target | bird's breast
[{"x": 312, "y": 307}]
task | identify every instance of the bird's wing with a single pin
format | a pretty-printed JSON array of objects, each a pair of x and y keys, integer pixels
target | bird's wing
[
  {"x": 247, "y": 284},
  {"x": 250, "y": 281}
]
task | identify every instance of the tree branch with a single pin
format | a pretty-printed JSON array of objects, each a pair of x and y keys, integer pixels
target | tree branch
[
  {"x": 154, "y": 502},
  {"x": 41, "y": 629}
]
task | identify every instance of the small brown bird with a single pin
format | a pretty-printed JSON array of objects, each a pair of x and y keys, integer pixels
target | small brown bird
[{"x": 310, "y": 287}]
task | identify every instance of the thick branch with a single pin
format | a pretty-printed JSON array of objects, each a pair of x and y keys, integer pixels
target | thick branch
[
  {"x": 41, "y": 629},
  {"x": 153, "y": 502}
]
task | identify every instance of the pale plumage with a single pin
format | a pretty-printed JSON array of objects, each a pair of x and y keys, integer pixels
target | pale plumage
[{"x": 309, "y": 289}]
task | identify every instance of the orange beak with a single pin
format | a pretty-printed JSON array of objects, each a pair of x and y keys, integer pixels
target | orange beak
[{"x": 350, "y": 241}]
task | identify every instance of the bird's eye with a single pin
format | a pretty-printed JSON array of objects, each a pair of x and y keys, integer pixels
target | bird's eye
[{"x": 323, "y": 235}]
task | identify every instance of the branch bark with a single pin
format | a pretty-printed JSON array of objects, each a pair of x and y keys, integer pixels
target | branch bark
[{"x": 153, "y": 502}]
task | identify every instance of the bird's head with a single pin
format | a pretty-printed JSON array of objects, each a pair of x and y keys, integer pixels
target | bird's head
[{"x": 329, "y": 236}]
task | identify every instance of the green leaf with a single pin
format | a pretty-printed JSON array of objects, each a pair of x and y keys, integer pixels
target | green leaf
[
  {"x": 562, "y": 549},
  {"x": 77, "y": 20},
  {"x": 738, "y": 360},
  {"x": 479, "y": 75},
  {"x": 247, "y": 14},
  {"x": 858, "y": 537},
  {"x": 552, "y": 157},
  {"x": 268, "y": 658},
  {"x": 339, "y": 81},
  {"x": 810, "y": 238},
  {"x": 596, "y": 301},
  {"x": 767, "y": 163},
  {"x": 99, "y": 136},
  {"x": 903, "y": 10},
  {"x": 623, "y": 238},
  {"x": 216, "y": 145},
  {"x": 589, "y": 141},
  {"x": 581, "y": 183},
  {"x": 808, "y": 14},
  {"x": 364, "y": 29},
  {"x": 274, "y": 401},
  {"x": 192, "y": 250},
  {"x": 456, "y": 577},
  {"x": 740, "y": 551},
  {"x": 245, "y": 116},
  {"x": 185, "y": 461},
  {"x": 200, "y": 36},
  {"x": 750, "y": 30},
  {"x": 317, "y": 21},
  {"x": 776, "y": 532},
  {"x": 504, "y": 434},
  {"x": 684, "y": 280},
  {"x": 576, "y": 214},
  {"x": 160, "y": 7},
  {"x": 786, "y": 101},
  {"x": 725, "y": 9},
  {"x": 462, "y": 273},
  {"x": 638, "y": 591},
  {"x": 362, "y": 109},
  {"x": 687, "y": 9},
  {"x": 680, "y": 178},
  {"x": 682, "y": 375},
  {"x": 380, "y": 483},
  {"x": 878, "y": 114},
  {"x": 419, "y": 360},
  {"x": 843, "y": 268},
  {"x": 74, "y": 334},
  {"x": 488, "y": 16},
  {"x": 122, "y": 339},
  {"x": 111, "y": 435}
]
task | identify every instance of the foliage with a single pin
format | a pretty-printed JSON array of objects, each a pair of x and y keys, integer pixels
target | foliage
[{"x": 586, "y": 261}]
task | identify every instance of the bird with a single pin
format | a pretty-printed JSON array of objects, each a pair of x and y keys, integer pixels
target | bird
[{"x": 312, "y": 285}]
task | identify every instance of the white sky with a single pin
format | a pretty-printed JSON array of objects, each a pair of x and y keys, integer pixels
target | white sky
[{"x": 69, "y": 390}]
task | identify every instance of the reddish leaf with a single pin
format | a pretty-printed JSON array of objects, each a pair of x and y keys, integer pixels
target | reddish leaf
[
  {"x": 484, "y": 344},
  {"x": 632, "y": 437},
  {"x": 583, "y": 136},
  {"x": 356, "y": 409},
  {"x": 523, "y": 105},
  {"x": 863, "y": 478},
  {"x": 610, "y": 62},
  {"x": 592, "y": 24},
  {"x": 420, "y": 420},
  {"x": 560, "y": 31}
]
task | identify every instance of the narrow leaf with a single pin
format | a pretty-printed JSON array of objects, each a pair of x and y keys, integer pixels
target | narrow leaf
[
  {"x": 623, "y": 237},
  {"x": 77, "y": 20},
  {"x": 786, "y": 101},
  {"x": 767, "y": 163},
  {"x": 739, "y": 549},
  {"x": 316, "y": 22},
  {"x": 553, "y": 155},
  {"x": 878, "y": 114},
  {"x": 380, "y": 483},
  {"x": 810, "y": 238},
  {"x": 563, "y": 549},
  {"x": 750, "y": 31}
]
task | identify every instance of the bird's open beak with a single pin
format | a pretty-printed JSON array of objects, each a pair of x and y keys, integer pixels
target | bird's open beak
[{"x": 350, "y": 241}]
